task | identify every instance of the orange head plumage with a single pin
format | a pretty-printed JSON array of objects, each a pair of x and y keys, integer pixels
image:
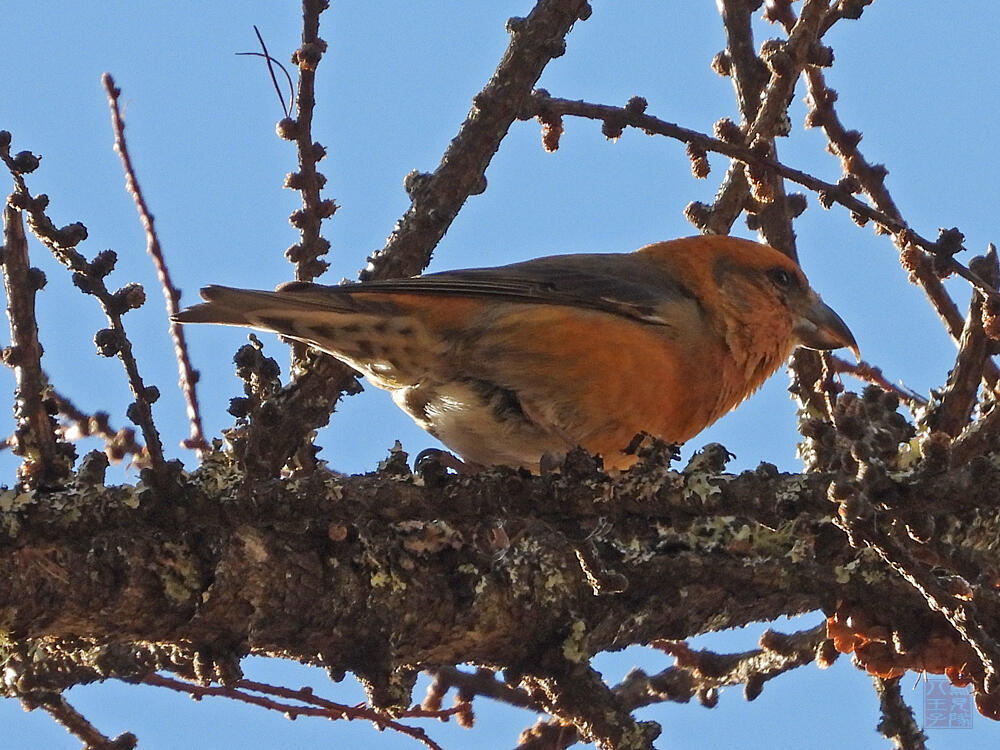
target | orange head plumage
[{"x": 505, "y": 365}]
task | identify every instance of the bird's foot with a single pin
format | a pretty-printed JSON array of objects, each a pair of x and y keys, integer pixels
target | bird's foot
[{"x": 444, "y": 459}]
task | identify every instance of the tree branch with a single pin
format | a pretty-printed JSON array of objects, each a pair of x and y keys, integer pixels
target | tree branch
[
  {"x": 45, "y": 461},
  {"x": 697, "y": 674},
  {"x": 897, "y": 723},
  {"x": 76, "y": 723},
  {"x": 938, "y": 257},
  {"x": 327, "y": 557},
  {"x": 264, "y": 695},
  {"x": 308, "y": 180},
  {"x": 437, "y": 197},
  {"x": 89, "y": 278}
]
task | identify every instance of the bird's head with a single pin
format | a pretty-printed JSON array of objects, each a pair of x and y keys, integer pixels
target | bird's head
[{"x": 752, "y": 291}]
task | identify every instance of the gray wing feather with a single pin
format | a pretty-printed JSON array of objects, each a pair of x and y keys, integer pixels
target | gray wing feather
[{"x": 623, "y": 284}]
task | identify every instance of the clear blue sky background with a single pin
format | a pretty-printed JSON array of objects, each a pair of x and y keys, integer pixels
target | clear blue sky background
[{"x": 392, "y": 90}]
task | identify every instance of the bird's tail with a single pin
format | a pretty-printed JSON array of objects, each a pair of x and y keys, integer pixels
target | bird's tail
[
  {"x": 328, "y": 317},
  {"x": 333, "y": 319},
  {"x": 227, "y": 306},
  {"x": 277, "y": 311}
]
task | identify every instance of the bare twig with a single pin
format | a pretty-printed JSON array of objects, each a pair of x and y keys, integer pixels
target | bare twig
[
  {"x": 76, "y": 723},
  {"x": 764, "y": 94},
  {"x": 698, "y": 672},
  {"x": 269, "y": 447},
  {"x": 546, "y": 106},
  {"x": 188, "y": 375},
  {"x": 749, "y": 75},
  {"x": 581, "y": 699},
  {"x": 482, "y": 682},
  {"x": 786, "y": 63},
  {"x": 870, "y": 178},
  {"x": 306, "y": 695},
  {"x": 748, "y": 72},
  {"x": 244, "y": 691},
  {"x": 871, "y": 374},
  {"x": 307, "y": 180},
  {"x": 897, "y": 723},
  {"x": 851, "y": 9},
  {"x": 763, "y": 105},
  {"x": 44, "y": 462}
]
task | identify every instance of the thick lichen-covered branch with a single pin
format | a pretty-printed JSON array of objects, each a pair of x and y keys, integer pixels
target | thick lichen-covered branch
[{"x": 321, "y": 567}]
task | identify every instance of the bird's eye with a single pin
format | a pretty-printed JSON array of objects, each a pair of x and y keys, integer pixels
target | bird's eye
[{"x": 782, "y": 278}]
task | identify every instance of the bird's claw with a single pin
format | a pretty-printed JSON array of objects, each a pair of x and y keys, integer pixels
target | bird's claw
[{"x": 429, "y": 456}]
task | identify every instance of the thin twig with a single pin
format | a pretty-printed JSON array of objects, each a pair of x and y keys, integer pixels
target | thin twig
[
  {"x": 786, "y": 63},
  {"x": 88, "y": 276},
  {"x": 699, "y": 671},
  {"x": 188, "y": 375},
  {"x": 796, "y": 52},
  {"x": 306, "y": 695},
  {"x": 750, "y": 77},
  {"x": 482, "y": 682},
  {"x": 763, "y": 94},
  {"x": 578, "y": 697},
  {"x": 271, "y": 62},
  {"x": 763, "y": 105},
  {"x": 851, "y": 9},
  {"x": 748, "y": 72},
  {"x": 958, "y": 398},
  {"x": 307, "y": 402},
  {"x": 871, "y": 180},
  {"x": 319, "y": 707},
  {"x": 871, "y": 374},
  {"x": 78, "y": 725}
]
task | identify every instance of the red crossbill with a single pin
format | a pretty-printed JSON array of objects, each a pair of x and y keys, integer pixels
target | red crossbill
[{"x": 506, "y": 365}]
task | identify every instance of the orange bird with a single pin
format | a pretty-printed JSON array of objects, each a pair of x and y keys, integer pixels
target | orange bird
[{"x": 506, "y": 365}]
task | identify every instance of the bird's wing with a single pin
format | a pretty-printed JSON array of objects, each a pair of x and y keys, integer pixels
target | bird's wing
[{"x": 622, "y": 284}]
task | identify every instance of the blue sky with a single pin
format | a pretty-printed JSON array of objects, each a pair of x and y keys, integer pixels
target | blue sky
[{"x": 392, "y": 90}]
